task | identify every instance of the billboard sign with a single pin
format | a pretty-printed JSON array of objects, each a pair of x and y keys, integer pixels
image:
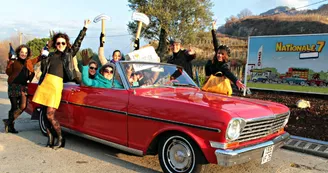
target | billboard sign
[{"x": 289, "y": 62}]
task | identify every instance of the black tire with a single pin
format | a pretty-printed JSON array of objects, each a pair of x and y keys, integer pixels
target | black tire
[
  {"x": 171, "y": 146},
  {"x": 42, "y": 123}
]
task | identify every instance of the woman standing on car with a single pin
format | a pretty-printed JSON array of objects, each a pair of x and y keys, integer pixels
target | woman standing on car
[
  {"x": 19, "y": 72},
  {"x": 219, "y": 62},
  {"x": 58, "y": 70}
]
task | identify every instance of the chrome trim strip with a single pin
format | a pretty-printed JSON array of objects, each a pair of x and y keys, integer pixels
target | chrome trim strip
[
  {"x": 175, "y": 122},
  {"x": 111, "y": 144},
  {"x": 269, "y": 117},
  {"x": 95, "y": 107}
]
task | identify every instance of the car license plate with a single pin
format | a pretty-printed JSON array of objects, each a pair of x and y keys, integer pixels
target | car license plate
[{"x": 267, "y": 154}]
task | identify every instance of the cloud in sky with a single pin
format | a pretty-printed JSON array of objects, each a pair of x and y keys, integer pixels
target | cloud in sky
[{"x": 294, "y": 3}]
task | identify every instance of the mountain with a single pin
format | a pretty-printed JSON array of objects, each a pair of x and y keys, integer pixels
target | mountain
[
  {"x": 322, "y": 10},
  {"x": 279, "y": 21},
  {"x": 283, "y": 9}
]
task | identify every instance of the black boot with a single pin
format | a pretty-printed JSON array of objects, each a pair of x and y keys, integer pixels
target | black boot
[
  {"x": 60, "y": 142},
  {"x": 50, "y": 142},
  {"x": 11, "y": 128},
  {"x": 9, "y": 123}
]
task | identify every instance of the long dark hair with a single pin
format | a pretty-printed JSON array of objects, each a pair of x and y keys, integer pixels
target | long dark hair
[
  {"x": 60, "y": 35},
  {"x": 19, "y": 48},
  {"x": 221, "y": 47}
]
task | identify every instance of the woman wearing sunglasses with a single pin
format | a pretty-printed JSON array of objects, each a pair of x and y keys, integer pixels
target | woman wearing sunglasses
[
  {"x": 58, "y": 69},
  {"x": 103, "y": 78},
  {"x": 93, "y": 67}
]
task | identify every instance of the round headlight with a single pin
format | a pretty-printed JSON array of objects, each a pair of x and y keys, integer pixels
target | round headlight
[
  {"x": 234, "y": 128},
  {"x": 286, "y": 120}
]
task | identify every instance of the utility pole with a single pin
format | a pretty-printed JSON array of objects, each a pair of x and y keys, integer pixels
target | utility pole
[{"x": 20, "y": 38}]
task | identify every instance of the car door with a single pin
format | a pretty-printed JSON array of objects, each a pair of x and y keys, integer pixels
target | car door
[
  {"x": 64, "y": 111},
  {"x": 100, "y": 112}
]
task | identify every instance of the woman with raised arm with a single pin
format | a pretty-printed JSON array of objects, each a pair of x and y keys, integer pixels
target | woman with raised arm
[
  {"x": 58, "y": 70},
  {"x": 19, "y": 72},
  {"x": 219, "y": 62}
]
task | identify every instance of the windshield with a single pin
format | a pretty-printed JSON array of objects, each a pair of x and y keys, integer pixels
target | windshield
[{"x": 143, "y": 74}]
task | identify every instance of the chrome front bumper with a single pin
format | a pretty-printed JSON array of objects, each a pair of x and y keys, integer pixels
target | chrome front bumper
[{"x": 238, "y": 156}]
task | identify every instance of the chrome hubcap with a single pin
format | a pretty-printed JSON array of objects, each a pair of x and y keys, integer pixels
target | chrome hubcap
[{"x": 179, "y": 155}]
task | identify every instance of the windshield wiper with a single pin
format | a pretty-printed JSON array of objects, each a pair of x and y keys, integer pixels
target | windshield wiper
[{"x": 184, "y": 85}]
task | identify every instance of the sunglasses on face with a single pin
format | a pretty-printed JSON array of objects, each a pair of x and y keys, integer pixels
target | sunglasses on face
[
  {"x": 108, "y": 71},
  {"x": 93, "y": 68},
  {"x": 58, "y": 43}
]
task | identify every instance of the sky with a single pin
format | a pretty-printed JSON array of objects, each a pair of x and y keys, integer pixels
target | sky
[
  {"x": 34, "y": 18},
  {"x": 284, "y": 60}
]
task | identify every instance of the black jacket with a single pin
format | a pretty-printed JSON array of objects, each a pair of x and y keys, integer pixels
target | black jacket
[
  {"x": 213, "y": 67},
  {"x": 215, "y": 42},
  {"x": 183, "y": 59},
  {"x": 67, "y": 60}
]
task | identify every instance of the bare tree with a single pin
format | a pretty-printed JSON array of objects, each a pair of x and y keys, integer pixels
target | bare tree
[
  {"x": 4, "y": 50},
  {"x": 244, "y": 13}
]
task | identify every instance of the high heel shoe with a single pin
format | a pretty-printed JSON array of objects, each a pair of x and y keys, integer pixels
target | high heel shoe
[{"x": 60, "y": 142}]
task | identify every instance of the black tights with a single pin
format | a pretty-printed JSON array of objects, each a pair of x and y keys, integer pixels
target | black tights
[
  {"x": 50, "y": 121},
  {"x": 18, "y": 105}
]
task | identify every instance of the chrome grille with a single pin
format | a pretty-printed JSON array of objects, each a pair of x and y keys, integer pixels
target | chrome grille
[{"x": 261, "y": 127}]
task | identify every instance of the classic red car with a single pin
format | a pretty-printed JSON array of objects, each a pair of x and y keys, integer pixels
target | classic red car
[{"x": 162, "y": 111}]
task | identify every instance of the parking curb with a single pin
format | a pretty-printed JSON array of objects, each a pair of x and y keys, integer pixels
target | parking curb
[{"x": 307, "y": 145}]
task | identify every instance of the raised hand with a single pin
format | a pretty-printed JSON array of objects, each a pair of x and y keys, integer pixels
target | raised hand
[
  {"x": 136, "y": 44},
  {"x": 190, "y": 50},
  {"x": 240, "y": 85},
  {"x": 87, "y": 23},
  {"x": 102, "y": 35},
  {"x": 44, "y": 53},
  {"x": 85, "y": 57},
  {"x": 214, "y": 24}
]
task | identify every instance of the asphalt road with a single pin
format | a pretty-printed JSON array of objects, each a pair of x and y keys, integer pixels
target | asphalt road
[{"x": 25, "y": 152}]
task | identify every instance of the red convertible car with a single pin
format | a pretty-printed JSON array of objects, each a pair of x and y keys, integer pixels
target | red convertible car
[{"x": 158, "y": 109}]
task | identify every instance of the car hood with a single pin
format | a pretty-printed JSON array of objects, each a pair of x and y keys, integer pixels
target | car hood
[{"x": 236, "y": 106}]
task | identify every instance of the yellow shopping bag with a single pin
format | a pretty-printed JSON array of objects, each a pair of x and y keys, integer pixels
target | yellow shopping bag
[{"x": 219, "y": 85}]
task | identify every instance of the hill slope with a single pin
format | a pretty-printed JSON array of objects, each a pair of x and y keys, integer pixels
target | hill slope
[{"x": 281, "y": 24}]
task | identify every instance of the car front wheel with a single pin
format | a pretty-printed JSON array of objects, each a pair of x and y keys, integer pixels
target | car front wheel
[{"x": 179, "y": 154}]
